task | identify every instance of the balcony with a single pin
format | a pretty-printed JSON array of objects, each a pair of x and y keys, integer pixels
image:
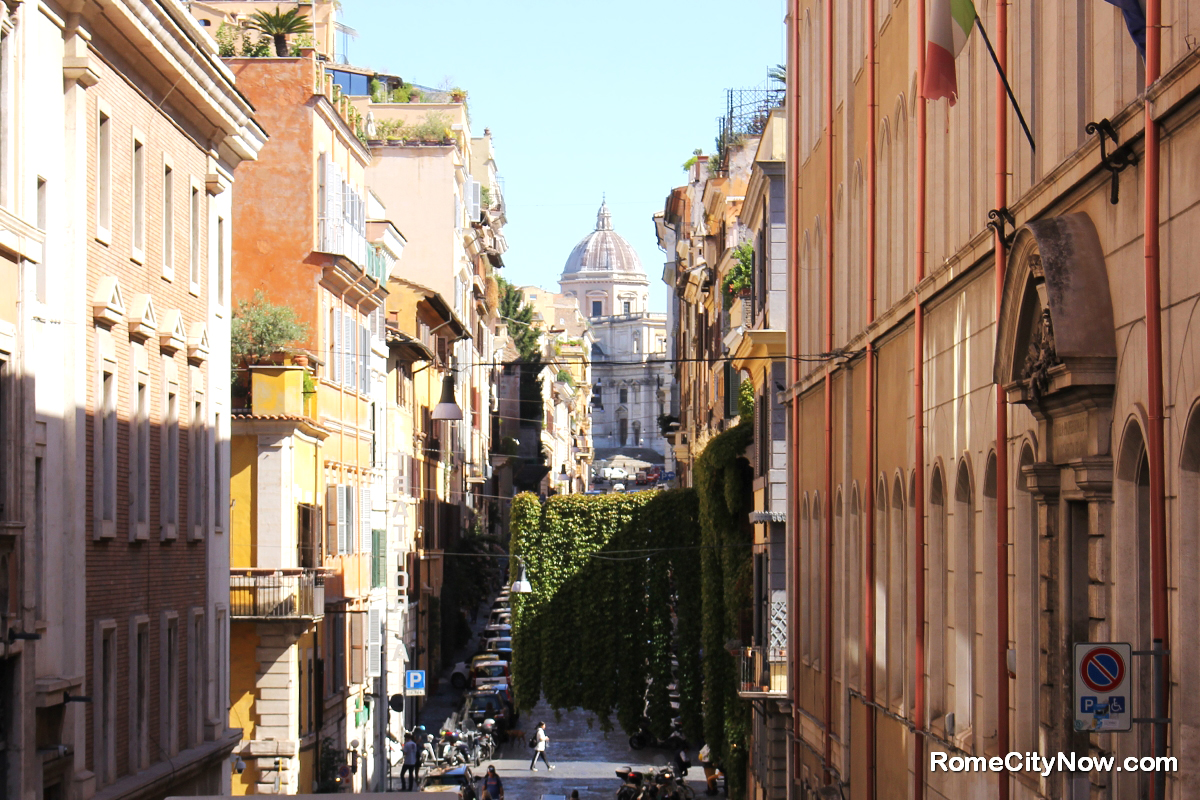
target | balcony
[
  {"x": 280, "y": 594},
  {"x": 764, "y": 672}
]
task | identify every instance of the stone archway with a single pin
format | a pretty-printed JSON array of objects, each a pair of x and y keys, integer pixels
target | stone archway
[{"x": 1056, "y": 354}]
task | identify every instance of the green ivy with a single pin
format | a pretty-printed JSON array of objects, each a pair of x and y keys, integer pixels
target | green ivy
[
  {"x": 615, "y": 597},
  {"x": 722, "y": 479}
]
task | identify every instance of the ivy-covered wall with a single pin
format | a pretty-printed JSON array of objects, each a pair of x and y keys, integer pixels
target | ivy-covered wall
[{"x": 623, "y": 583}]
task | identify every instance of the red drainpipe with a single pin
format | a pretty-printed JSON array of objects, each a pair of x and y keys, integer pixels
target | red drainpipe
[
  {"x": 1002, "y": 734},
  {"x": 827, "y": 658},
  {"x": 1156, "y": 455},
  {"x": 868, "y": 533},
  {"x": 918, "y": 710}
]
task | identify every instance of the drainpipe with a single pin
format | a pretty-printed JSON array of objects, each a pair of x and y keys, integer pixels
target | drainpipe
[
  {"x": 1002, "y": 733},
  {"x": 918, "y": 710},
  {"x": 868, "y": 537},
  {"x": 1156, "y": 456},
  {"x": 827, "y": 658},
  {"x": 869, "y": 488}
]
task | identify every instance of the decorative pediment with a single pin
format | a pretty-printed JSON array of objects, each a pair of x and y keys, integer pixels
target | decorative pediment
[
  {"x": 108, "y": 307},
  {"x": 171, "y": 336},
  {"x": 1055, "y": 330},
  {"x": 197, "y": 343},
  {"x": 143, "y": 323}
]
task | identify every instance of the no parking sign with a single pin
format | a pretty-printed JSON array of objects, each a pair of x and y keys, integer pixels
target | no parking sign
[{"x": 1103, "y": 697}]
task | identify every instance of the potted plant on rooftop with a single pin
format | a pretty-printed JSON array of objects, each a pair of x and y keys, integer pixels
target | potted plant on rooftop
[{"x": 279, "y": 25}]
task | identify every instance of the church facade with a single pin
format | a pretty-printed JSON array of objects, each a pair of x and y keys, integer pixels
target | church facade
[{"x": 631, "y": 374}]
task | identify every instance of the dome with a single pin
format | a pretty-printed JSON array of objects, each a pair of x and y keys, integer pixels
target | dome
[{"x": 603, "y": 250}]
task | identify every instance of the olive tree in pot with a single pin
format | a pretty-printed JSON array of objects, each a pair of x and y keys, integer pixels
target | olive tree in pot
[{"x": 259, "y": 332}]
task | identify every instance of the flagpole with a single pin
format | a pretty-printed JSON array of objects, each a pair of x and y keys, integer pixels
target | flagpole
[{"x": 1004, "y": 80}]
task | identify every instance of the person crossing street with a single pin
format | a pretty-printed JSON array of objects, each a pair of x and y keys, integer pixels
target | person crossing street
[{"x": 540, "y": 740}]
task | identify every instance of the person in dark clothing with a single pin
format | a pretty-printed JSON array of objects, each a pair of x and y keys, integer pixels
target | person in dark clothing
[
  {"x": 409, "y": 769},
  {"x": 492, "y": 785}
]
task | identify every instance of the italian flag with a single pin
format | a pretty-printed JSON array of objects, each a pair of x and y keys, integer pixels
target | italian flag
[{"x": 950, "y": 23}]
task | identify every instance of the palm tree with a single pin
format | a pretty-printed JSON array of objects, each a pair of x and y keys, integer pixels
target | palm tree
[
  {"x": 778, "y": 73},
  {"x": 278, "y": 25}
]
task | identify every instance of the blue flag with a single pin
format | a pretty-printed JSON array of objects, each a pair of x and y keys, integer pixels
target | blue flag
[{"x": 1135, "y": 20}]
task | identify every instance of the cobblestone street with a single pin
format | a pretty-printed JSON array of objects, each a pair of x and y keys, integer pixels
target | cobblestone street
[{"x": 584, "y": 758}]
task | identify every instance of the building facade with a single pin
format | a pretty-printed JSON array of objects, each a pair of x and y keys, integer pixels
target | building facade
[
  {"x": 304, "y": 693},
  {"x": 115, "y": 218},
  {"x": 992, "y": 424},
  {"x": 631, "y": 388}
]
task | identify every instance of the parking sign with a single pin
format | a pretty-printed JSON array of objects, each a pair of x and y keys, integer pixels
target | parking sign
[
  {"x": 1103, "y": 691},
  {"x": 414, "y": 682}
]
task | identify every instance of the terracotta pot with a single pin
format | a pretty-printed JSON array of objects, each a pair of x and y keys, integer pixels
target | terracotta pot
[{"x": 300, "y": 360}]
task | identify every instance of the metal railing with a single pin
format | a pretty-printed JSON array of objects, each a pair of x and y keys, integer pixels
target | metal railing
[
  {"x": 277, "y": 593},
  {"x": 763, "y": 671}
]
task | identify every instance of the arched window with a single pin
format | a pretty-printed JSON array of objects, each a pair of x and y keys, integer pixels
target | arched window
[
  {"x": 881, "y": 594},
  {"x": 884, "y": 255},
  {"x": 962, "y": 590},
  {"x": 896, "y": 577},
  {"x": 839, "y": 603},
  {"x": 854, "y": 594},
  {"x": 804, "y": 593},
  {"x": 1131, "y": 584},
  {"x": 816, "y": 602},
  {"x": 1027, "y": 607},
  {"x": 985, "y": 582},
  {"x": 935, "y": 602},
  {"x": 1187, "y": 704},
  {"x": 899, "y": 228}
]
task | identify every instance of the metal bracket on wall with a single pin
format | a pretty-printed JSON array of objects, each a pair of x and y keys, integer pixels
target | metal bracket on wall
[
  {"x": 1116, "y": 161},
  {"x": 997, "y": 219}
]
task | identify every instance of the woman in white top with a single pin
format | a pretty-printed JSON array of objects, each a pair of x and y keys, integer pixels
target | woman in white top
[{"x": 540, "y": 740}]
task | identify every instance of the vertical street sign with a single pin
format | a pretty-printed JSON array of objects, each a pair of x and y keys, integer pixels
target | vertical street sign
[
  {"x": 1103, "y": 690},
  {"x": 414, "y": 683}
]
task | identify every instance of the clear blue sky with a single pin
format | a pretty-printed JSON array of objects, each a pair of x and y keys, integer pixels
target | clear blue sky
[{"x": 582, "y": 99}]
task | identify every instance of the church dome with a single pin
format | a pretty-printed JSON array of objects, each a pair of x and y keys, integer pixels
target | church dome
[{"x": 603, "y": 250}]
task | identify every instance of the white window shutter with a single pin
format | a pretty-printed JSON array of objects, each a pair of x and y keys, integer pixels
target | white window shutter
[
  {"x": 364, "y": 518},
  {"x": 348, "y": 351},
  {"x": 364, "y": 373},
  {"x": 374, "y": 643},
  {"x": 343, "y": 516},
  {"x": 475, "y": 200},
  {"x": 335, "y": 336}
]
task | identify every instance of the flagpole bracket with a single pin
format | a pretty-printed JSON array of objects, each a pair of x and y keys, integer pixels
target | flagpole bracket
[
  {"x": 997, "y": 219},
  {"x": 1122, "y": 155}
]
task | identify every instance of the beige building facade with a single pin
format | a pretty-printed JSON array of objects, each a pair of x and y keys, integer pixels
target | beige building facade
[{"x": 948, "y": 541}]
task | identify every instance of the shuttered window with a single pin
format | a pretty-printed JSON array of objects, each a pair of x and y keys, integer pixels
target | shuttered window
[
  {"x": 374, "y": 643},
  {"x": 364, "y": 519}
]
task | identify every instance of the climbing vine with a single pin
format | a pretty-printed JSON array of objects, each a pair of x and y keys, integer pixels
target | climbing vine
[
  {"x": 611, "y": 577},
  {"x": 635, "y": 592},
  {"x": 723, "y": 485}
]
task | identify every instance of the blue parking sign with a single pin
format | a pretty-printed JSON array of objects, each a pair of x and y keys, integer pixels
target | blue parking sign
[{"x": 414, "y": 682}]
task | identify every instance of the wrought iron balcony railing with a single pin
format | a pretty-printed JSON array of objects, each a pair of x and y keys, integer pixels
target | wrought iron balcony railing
[
  {"x": 763, "y": 672},
  {"x": 276, "y": 594}
]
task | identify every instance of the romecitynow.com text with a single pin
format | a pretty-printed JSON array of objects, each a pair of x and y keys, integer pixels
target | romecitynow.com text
[{"x": 1061, "y": 762}]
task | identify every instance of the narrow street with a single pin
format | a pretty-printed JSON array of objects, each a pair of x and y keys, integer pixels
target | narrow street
[{"x": 584, "y": 757}]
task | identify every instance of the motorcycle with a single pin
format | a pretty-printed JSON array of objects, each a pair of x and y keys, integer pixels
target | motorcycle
[{"x": 644, "y": 738}]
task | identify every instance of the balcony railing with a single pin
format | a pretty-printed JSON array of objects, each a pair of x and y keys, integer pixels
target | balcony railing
[
  {"x": 277, "y": 593},
  {"x": 763, "y": 671}
]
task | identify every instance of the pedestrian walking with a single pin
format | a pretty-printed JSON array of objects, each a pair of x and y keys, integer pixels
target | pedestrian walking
[
  {"x": 492, "y": 785},
  {"x": 540, "y": 740},
  {"x": 410, "y": 764}
]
